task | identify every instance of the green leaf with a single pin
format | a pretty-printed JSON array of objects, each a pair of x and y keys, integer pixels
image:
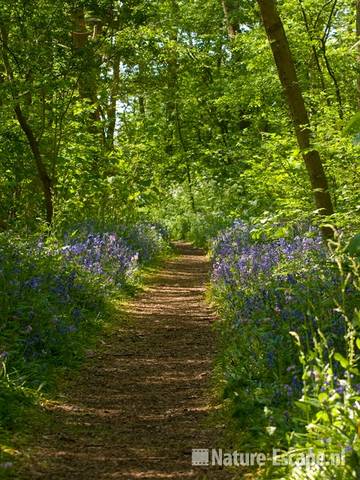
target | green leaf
[
  {"x": 353, "y": 126},
  {"x": 353, "y": 247},
  {"x": 322, "y": 416},
  {"x": 342, "y": 360},
  {"x": 322, "y": 397}
]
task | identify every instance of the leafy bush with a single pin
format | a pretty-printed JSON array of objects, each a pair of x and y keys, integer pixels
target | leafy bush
[
  {"x": 46, "y": 302},
  {"x": 54, "y": 298},
  {"x": 266, "y": 287},
  {"x": 330, "y": 398},
  {"x": 104, "y": 254},
  {"x": 147, "y": 239}
]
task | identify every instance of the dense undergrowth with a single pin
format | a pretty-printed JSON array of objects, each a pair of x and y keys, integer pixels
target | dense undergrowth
[
  {"x": 288, "y": 370},
  {"x": 175, "y": 111},
  {"x": 57, "y": 294}
]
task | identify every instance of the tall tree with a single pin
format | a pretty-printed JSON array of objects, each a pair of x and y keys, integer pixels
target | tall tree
[
  {"x": 358, "y": 39},
  {"x": 330, "y": 70},
  {"x": 229, "y": 15},
  {"x": 88, "y": 69},
  {"x": 313, "y": 47},
  {"x": 289, "y": 80},
  {"x": 173, "y": 102},
  {"x": 114, "y": 61},
  {"x": 33, "y": 142}
]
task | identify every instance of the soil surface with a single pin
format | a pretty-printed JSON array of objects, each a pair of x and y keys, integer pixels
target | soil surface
[{"x": 142, "y": 403}]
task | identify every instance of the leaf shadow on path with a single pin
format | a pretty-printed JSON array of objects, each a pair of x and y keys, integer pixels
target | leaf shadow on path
[{"x": 138, "y": 406}]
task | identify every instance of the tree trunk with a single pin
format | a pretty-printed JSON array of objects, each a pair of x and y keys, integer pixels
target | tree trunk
[
  {"x": 358, "y": 39},
  {"x": 113, "y": 100},
  {"x": 43, "y": 175},
  {"x": 288, "y": 77},
  {"x": 230, "y": 25},
  {"x": 187, "y": 162},
  {"x": 80, "y": 37},
  {"x": 328, "y": 66},
  {"x": 171, "y": 99},
  {"x": 88, "y": 73},
  {"x": 142, "y": 106},
  {"x": 313, "y": 48},
  {"x": 33, "y": 143},
  {"x": 172, "y": 107}
]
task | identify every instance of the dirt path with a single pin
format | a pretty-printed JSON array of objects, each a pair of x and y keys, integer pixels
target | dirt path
[{"x": 138, "y": 407}]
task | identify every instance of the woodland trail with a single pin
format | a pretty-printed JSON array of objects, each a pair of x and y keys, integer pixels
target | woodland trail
[{"x": 140, "y": 404}]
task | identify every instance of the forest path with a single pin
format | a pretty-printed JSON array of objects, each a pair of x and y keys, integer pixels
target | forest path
[{"x": 139, "y": 405}]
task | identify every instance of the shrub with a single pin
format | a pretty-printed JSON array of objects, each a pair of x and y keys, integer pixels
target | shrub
[
  {"x": 54, "y": 298},
  {"x": 266, "y": 287}
]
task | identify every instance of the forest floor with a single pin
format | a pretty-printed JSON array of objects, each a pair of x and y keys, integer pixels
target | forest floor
[{"x": 143, "y": 401}]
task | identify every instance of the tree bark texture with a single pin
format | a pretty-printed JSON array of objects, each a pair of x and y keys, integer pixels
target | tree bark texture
[{"x": 289, "y": 80}]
